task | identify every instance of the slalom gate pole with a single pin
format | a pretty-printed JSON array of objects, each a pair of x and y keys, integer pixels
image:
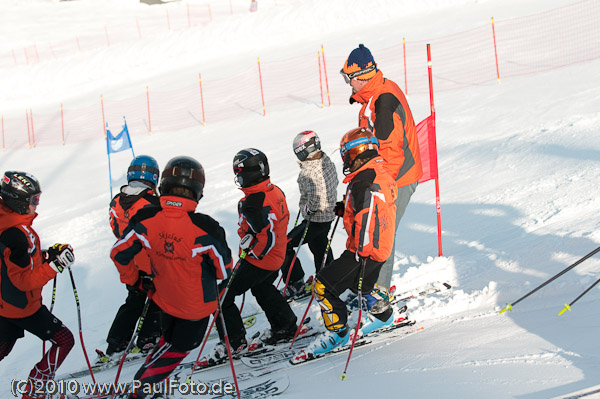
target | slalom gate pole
[
  {"x": 51, "y": 307},
  {"x": 509, "y": 306},
  {"x": 79, "y": 321},
  {"x": 228, "y": 345},
  {"x": 568, "y": 307},
  {"x": 287, "y": 280},
  {"x": 315, "y": 279},
  {"x": 363, "y": 265},
  {"x": 216, "y": 314},
  {"x": 140, "y": 323}
]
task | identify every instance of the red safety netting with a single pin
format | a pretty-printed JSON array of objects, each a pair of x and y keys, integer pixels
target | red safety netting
[{"x": 497, "y": 50}]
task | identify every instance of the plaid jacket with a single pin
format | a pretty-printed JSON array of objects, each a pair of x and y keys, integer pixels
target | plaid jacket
[{"x": 318, "y": 188}]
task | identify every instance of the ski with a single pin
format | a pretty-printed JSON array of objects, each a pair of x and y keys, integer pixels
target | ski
[
  {"x": 131, "y": 358},
  {"x": 385, "y": 333},
  {"x": 430, "y": 289}
]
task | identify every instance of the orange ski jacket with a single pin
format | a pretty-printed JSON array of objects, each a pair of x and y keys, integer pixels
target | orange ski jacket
[
  {"x": 370, "y": 211},
  {"x": 386, "y": 112}
]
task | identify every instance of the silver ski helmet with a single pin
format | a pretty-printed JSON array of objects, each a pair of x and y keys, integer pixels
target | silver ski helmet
[
  {"x": 250, "y": 167},
  {"x": 306, "y": 143},
  {"x": 19, "y": 190}
]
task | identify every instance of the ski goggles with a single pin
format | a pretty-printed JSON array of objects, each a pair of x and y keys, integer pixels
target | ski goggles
[
  {"x": 35, "y": 199},
  {"x": 349, "y": 76},
  {"x": 354, "y": 143}
]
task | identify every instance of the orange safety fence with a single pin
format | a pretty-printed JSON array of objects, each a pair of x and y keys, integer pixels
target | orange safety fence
[{"x": 494, "y": 51}]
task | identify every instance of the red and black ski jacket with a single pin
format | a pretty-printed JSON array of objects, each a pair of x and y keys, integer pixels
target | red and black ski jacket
[
  {"x": 123, "y": 207},
  {"x": 188, "y": 253},
  {"x": 263, "y": 212},
  {"x": 126, "y": 204},
  {"x": 23, "y": 272}
]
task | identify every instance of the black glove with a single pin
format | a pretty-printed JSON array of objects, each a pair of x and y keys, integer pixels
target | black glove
[
  {"x": 146, "y": 283},
  {"x": 339, "y": 208},
  {"x": 59, "y": 256}
]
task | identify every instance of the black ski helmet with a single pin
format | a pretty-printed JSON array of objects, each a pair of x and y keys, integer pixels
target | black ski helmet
[
  {"x": 183, "y": 172},
  {"x": 250, "y": 167},
  {"x": 19, "y": 190}
]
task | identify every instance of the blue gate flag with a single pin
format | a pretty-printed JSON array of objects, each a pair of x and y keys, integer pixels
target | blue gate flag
[{"x": 119, "y": 142}]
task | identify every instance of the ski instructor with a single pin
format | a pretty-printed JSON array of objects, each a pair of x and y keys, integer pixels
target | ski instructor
[{"x": 386, "y": 113}]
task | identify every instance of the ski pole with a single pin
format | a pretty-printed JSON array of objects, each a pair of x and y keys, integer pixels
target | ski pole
[
  {"x": 303, "y": 234},
  {"x": 568, "y": 307},
  {"x": 287, "y": 280},
  {"x": 228, "y": 346},
  {"x": 363, "y": 264},
  {"x": 79, "y": 321},
  {"x": 216, "y": 314},
  {"x": 315, "y": 279},
  {"x": 509, "y": 306},
  {"x": 140, "y": 323},
  {"x": 51, "y": 307}
]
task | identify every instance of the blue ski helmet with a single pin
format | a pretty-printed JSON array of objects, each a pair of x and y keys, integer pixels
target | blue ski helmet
[{"x": 143, "y": 167}]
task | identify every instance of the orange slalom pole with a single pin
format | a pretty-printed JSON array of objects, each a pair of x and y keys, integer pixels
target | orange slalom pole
[
  {"x": 438, "y": 206},
  {"x": 168, "y": 19},
  {"x": 209, "y": 13},
  {"x": 148, "y": 100},
  {"x": 201, "y": 98},
  {"x": 495, "y": 50},
  {"x": 78, "y": 45},
  {"x": 37, "y": 55},
  {"x": 28, "y": 131},
  {"x": 404, "y": 56},
  {"x": 262, "y": 94},
  {"x": 14, "y": 56},
  {"x": 230, "y": 8},
  {"x": 62, "y": 124},
  {"x": 326, "y": 80},
  {"x": 320, "y": 79},
  {"x": 137, "y": 22}
]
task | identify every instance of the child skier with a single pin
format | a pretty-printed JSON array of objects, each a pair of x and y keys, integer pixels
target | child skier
[
  {"x": 317, "y": 182},
  {"x": 369, "y": 221},
  {"x": 188, "y": 252},
  {"x": 26, "y": 268},
  {"x": 139, "y": 193},
  {"x": 263, "y": 220}
]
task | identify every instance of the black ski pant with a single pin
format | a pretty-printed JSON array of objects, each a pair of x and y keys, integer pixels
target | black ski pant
[
  {"x": 179, "y": 337},
  {"x": 126, "y": 319},
  {"x": 260, "y": 283},
  {"x": 316, "y": 238},
  {"x": 45, "y": 326},
  {"x": 335, "y": 278}
]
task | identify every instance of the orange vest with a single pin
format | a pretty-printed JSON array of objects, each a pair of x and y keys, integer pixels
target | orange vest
[
  {"x": 264, "y": 212},
  {"x": 370, "y": 211},
  {"x": 386, "y": 112}
]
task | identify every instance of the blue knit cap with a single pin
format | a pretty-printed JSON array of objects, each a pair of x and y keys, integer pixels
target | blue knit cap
[{"x": 360, "y": 59}]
